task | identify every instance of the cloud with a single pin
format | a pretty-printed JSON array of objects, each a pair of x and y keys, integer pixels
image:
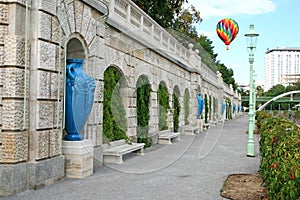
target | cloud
[{"x": 222, "y": 8}]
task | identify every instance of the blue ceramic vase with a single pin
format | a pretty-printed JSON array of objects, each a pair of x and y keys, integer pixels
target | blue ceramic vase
[{"x": 80, "y": 90}]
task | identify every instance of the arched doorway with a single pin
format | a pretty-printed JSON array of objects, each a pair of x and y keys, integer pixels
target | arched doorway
[
  {"x": 163, "y": 106},
  {"x": 114, "y": 112},
  {"x": 143, "y": 89},
  {"x": 176, "y": 108},
  {"x": 186, "y": 106}
]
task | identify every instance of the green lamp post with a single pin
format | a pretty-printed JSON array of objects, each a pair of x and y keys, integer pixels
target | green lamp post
[
  {"x": 251, "y": 46},
  {"x": 254, "y": 98}
]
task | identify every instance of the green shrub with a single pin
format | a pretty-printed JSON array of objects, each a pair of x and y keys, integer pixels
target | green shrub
[
  {"x": 176, "y": 111},
  {"x": 205, "y": 109},
  {"x": 114, "y": 113},
  {"x": 164, "y": 107},
  {"x": 143, "y": 111},
  {"x": 280, "y": 152},
  {"x": 186, "y": 107}
]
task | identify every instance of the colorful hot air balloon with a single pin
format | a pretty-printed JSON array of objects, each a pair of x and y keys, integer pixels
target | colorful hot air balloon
[{"x": 227, "y": 29}]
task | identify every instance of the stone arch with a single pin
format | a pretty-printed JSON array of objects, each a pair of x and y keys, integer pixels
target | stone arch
[
  {"x": 76, "y": 47},
  {"x": 143, "y": 98},
  {"x": 215, "y": 100},
  {"x": 115, "y": 103},
  {"x": 206, "y": 108},
  {"x": 186, "y": 106},
  {"x": 163, "y": 105},
  {"x": 176, "y": 107},
  {"x": 210, "y": 107}
]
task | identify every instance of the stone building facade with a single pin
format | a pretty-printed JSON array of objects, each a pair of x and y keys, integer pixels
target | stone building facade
[{"x": 36, "y": 38}]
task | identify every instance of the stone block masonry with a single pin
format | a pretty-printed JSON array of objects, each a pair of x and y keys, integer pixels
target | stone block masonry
[{"x": 32, "y": 153}]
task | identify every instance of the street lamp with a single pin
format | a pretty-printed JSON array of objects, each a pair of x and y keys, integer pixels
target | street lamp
[
  {"x": 251, "y": 45},
  {"x": 254, "y": 97}
]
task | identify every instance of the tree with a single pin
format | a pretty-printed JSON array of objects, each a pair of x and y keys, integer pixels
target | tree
[
  {"x": 227, "y": 75},
  {"x": 181, "y": 24},
  {"x": 162, "y": 11},
  {"x": 275, "y": 90},
  {"x": 259, "y": 91}
]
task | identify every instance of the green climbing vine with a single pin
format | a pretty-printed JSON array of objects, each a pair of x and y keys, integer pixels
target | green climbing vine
[
  {"x": 176, "y": 110},
  {"x": 228, "y": 109},
  {"x": 114, "y": 113},
  {"x": 210, "y": 107},
  {"x": 186, "y": 107},
  {"x": 143, "y": 111},
  {"x": 163, "y": 101},
  {"x": 205, "y": 109}
]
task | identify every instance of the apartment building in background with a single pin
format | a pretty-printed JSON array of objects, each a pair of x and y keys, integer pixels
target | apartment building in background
[{"x": 282, "y": 66}]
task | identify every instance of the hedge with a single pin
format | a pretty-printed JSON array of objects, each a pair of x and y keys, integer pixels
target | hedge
[{"x": 280, "y": 156}]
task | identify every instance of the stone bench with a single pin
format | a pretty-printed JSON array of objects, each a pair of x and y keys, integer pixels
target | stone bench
[
  {"x": 166, "y": 137},
  {"x": 206, "y": 125},
  {"x": 191, "y": 130},
  {"x": 114, "y": 151}
]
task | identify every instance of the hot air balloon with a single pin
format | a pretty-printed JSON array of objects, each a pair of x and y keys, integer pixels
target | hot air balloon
[{"x": 227, "y": 29}]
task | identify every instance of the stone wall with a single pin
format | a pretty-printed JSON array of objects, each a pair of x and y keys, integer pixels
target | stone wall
[{"x": 32, "y": 93}]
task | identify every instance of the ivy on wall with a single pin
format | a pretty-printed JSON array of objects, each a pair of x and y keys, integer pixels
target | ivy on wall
[
  {"x": 143, "y": 111},
  {"x": 114, "y": 113},
  {"x": 210, "y": 108},
  {"x": 205, "y": 109},
  {"x": 163, "y": 101},
  {"x": 186, "y": 106},
  {"x": 176, "y": 110},
  {"x": 228, "y": 108}
]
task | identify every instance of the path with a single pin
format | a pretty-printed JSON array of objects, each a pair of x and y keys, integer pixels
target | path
[{"x": 194, "y": 168}]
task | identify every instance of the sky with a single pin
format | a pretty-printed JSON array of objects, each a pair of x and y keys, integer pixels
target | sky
[{"x": 276, "y": 21}]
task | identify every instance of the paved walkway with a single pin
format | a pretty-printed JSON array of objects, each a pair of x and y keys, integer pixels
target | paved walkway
[{"x": 194, "y": 168}]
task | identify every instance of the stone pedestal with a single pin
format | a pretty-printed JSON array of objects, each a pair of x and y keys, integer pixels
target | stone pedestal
[
  {"x": 79, "y": 158},
  {"x": 200, "y": 125}
]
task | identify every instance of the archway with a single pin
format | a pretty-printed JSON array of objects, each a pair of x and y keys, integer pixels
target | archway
[
  {"x": 77, "y": 105},
  {"x": 186, "y": 106},
  {"x": 163, "y": 106},
  {"x": 205, "y": 109},
  {"x": 143, "y": 89},
  {"x": 114, "y": 112},
  {"x": 75, "y": 48},
  {"x": 176, "y": 108}
]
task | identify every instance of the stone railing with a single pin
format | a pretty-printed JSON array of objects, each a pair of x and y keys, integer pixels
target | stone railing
[
  {"x": 141, "y": 26},
  {"x": 124, "y": 14}
]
